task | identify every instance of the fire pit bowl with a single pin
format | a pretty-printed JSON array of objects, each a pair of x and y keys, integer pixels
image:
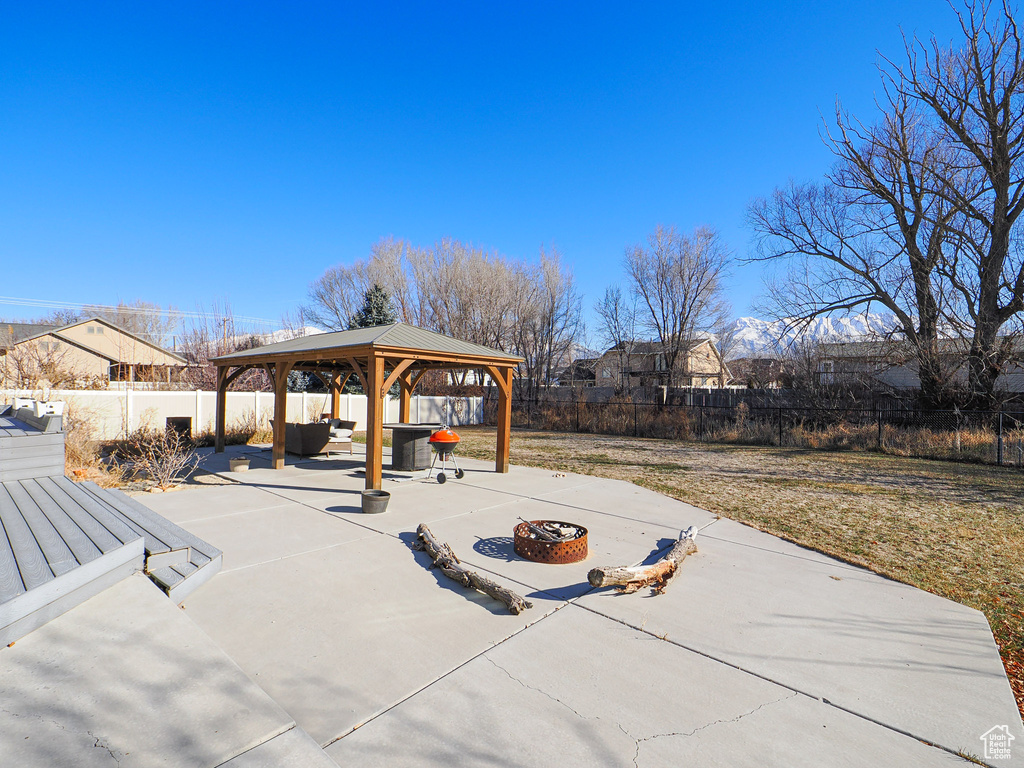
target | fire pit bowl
[{"x": 528, "y": 544}]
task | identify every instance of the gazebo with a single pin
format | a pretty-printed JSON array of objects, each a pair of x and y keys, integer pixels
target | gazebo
[{"x": 379, "y": 357}]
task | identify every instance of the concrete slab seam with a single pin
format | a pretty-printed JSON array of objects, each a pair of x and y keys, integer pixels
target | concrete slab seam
[
  {"x": 290, "y": 728},
  {"x": 231, "y": 514},
  {"x": 787, "y": 686},
  {"x": 297, "y": 554},
  {"x": 836, "y": 564},
  {"x": 310, "y": 506}
]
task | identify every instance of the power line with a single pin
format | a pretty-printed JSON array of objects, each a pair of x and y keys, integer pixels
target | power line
[{"x": 122, "y": 309}]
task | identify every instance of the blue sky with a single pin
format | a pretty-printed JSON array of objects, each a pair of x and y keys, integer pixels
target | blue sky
[{"x": 192, "y": 153}]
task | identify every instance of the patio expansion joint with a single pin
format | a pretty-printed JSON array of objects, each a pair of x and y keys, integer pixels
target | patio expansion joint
[{"x": 780, "y": 683}]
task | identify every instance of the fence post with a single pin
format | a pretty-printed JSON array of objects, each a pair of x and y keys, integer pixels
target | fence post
[
  {"x": 999, "y": 441},
  {"x": 878, "y": 417},
  {"x": 700, "y": 425},
  {"x": 635, "y": 433},
  {"x": 780, "y": 426},
  {"x": 577, "y": 404}
]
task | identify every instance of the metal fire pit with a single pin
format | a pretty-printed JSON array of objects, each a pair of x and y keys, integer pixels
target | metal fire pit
[{"x": 555, "y": 552}]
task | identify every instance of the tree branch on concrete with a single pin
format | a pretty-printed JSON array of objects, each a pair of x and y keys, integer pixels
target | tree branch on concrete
[
  {"x": 446, "y": 560},
  {"x": 657, "y": 575}
]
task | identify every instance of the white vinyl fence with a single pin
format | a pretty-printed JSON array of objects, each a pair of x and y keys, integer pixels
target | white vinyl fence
[{"x": 115, "y": 414}]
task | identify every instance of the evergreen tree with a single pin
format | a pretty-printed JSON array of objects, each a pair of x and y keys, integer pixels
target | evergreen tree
[{"x": 377, "y": 309}]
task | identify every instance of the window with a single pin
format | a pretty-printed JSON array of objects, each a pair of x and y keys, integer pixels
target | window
[
  {"x": 605, "y": 373},
  {"x": 99, "y": 329},
  {"x": 90, "y": 329}
]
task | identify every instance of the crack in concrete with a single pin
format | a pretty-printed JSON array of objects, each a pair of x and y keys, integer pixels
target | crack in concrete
[
  {"x": 639, "y": 741},
  {"x": 98, "y": 744},
  {"x": 544, "y": 693},
  {"x": 97, "y": 740},
  {"x": 636, "y": 756}
]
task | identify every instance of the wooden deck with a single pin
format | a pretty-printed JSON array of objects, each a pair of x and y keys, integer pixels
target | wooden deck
[
  {"x": 30, "y": 447},
  {"x": 57, "y": 550},
  {"x": 63, "y": 542}
]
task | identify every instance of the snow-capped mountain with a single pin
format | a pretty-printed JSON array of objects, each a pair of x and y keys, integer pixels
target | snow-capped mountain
[
  {"x": 766, "y": 338},
  {"x": 286, "y": 334}
]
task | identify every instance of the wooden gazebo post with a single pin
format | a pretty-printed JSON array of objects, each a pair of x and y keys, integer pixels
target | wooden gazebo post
[
  {"x": 281, "y": 371},
  {"x": 504, "y": 420},
  {"x": 374, "y": 421},
  {"x": 222, "y": 407}
]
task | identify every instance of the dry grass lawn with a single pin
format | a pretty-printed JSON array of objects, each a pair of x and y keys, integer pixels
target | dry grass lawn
[{"x": 953, "y": 529}]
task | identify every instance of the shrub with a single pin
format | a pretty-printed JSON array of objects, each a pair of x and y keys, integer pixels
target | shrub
[{"x": 165, "y": 457}]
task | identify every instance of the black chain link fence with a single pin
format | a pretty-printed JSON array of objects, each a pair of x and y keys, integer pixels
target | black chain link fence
[{"x": 987, "y": 437}]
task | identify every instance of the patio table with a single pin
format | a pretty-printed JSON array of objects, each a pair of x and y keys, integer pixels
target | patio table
[{"x": 410, "y": 449}]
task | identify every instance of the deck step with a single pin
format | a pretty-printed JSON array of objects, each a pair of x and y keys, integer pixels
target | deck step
[{"x": 177, "y": 576}]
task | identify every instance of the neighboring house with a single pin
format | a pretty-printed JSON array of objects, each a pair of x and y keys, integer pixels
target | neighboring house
[
  {"x": 91, "y": 350},
  {"x": 579, "y": 373},
  {"x": 893, "y": 364},
  {"x": 644, "y": 364}
]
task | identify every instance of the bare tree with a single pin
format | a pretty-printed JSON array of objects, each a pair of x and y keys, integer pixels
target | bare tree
[
  {"x": 531, "y": 309},
  {"x": 337, "y": 294},
  {"x": 976, "y": 95},
  {"x": 142, "y": 318},
  {"x": 208, "y": 334},
  {"x": 616, "y": 326},
  {"x": 919, "y": 215},
  {"x": 37, "y": 363},
  {"x": 677, "y": 279},
  {"x": 549, "y": 323}
]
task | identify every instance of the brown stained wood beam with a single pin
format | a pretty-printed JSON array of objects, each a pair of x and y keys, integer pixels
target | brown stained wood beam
[
  {"x": 222, "y": 406},
  {"x": 374, "y": 424},
  {"x": 504, "y": 436},
  {"x": 404, "y": 399},
  {"x": 323, "y": 381},
  {"x": 280, "y": 378},
  {"x": 496, "y": 374},
  {"x": 416, "y": 380},
  {"x": 359, "y": 372},
  {"x": 338, "y": 384},
  {"x": 397, "y": 371},
  {"x": 237, "y": 372}
]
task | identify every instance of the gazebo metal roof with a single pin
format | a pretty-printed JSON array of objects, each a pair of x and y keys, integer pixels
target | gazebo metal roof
[{"x": 340, "y": 344}]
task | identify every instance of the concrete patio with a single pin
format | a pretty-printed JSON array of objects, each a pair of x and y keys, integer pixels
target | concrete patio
[{"x": 327, "y": 640}]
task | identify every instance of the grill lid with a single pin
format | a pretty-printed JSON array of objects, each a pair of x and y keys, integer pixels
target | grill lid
[{"x": 444, "y": 435}]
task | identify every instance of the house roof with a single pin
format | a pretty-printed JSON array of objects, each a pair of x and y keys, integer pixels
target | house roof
[
  {"x": 898, "y": 347},
  {"x": 16, "y": 333},
  {"x": 397, "y": 336},
  {"x": 650, "y": 347}
]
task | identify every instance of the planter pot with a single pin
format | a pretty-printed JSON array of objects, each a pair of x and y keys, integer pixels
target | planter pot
[
  {"x": 239, "y": 465},
  {"x": 375, "y": 502}
]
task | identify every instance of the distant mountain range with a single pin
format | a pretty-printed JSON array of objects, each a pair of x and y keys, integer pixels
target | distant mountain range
[{"x": 767, "y": 338}]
